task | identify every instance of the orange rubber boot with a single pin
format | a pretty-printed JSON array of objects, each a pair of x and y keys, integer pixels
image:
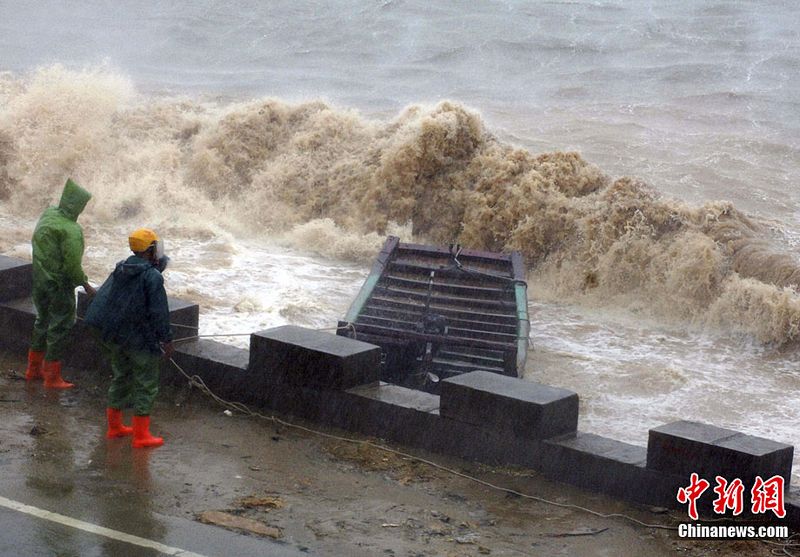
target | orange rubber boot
[
  {"x": 35, "y": 360},
  {"x": 115, "y": 426},
  {"x": 52, "y": 376},
  {"x": 141, "y": 433}
]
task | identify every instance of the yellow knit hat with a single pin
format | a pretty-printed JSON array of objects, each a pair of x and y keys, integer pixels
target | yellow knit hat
[{"x": 141, "y": 239}]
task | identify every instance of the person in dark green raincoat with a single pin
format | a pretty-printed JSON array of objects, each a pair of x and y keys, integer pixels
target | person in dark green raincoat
[
  {"x": 57, "y": 253},
  {"x": 130, "y": 315}
]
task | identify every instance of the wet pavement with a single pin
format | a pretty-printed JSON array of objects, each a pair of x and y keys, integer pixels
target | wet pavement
[
  {"x": 31, "y": 536},
  {"x": 55, "y": 459},
  {"x": 321, "y": 496}
]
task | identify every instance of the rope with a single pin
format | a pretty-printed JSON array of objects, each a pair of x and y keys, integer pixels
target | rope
[
  {"x": 195, "y": 327},
  {"x": 784, "y": 546},
  {"x": 460, "y": 267},
  {"x": 195, "y": 337},
  {"x": 349, "y": 326},
  {"x": 196, "y": 381}
]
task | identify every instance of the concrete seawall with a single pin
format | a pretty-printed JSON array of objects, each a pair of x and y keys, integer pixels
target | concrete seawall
[{"x": 478, "y": 416}]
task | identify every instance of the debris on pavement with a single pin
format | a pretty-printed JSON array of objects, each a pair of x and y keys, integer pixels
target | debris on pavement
[
  {"x": 233, "y": 522},
  {"x": 268, "y": 502}
]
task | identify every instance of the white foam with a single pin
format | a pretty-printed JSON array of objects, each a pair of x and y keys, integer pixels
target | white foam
[{"x": 633, "y": 375}]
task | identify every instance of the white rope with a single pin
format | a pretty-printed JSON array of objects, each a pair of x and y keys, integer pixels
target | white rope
[{"x": 349, "y": 326}]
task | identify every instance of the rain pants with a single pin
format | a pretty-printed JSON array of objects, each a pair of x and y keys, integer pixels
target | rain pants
[
  {"x": 57, "y": 252},
  {"x": 130, "y": 314}
]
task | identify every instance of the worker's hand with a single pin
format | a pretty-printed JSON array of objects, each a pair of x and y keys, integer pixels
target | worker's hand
[
  {"x": 89, "y": 289},
  {"x": 168, "y": 350}
]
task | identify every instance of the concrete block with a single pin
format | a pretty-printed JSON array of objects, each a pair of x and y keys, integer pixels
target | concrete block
[
  {"x": 307, "y": 358},
  {"x": 594, "y": 462},
  {"x": 480, "y": 444},
  {"x": 684, "y": 447},
  {"x": 389, "y": 411},
  {"x": 223, "y": 368},
  {"x": 16, "y": 324},
  {"x": 792, "y": 505},
  {"x": 521, "y": 408},
  {"x": 18, "y": 315},
  {"x": 388, "y": 396},
  {"x": 321, "y": 406},
  {"x": 412, "y": 418},
  {"x": 184, "y": 317},
  {"x": 16, "y": 278},
  {"x": 84, "y": 352}
]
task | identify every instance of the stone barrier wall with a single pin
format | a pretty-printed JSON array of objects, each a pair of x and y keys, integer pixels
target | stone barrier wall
[{"x": 479, "y": 416}]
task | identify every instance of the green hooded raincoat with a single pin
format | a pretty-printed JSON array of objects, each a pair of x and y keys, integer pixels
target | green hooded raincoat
[{"x": 57, "y": 253}]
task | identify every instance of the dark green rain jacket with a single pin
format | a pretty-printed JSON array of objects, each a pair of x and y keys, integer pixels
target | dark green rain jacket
[
  {"x": 131, "y": 307},
  {"x": 58, "y": 241}
]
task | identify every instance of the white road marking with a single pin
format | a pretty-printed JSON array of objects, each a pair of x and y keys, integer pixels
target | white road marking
[{"x": 95, "y": 529}]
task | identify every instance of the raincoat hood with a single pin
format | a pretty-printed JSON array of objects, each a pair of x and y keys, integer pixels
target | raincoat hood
[
  {"x": 131, "y": 267},
  {"x": 73, "y": 200}
]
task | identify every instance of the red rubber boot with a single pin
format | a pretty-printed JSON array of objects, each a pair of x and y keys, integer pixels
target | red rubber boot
[
  {"x": 52, "y": 376},
  {"x": 35, "y": 361},
  {"x": 141, "y": 433},
  {"x": 115, "y": 426}
]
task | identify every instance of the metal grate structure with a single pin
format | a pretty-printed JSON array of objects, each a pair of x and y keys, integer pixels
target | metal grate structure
[{"x": 441, "y": 311}]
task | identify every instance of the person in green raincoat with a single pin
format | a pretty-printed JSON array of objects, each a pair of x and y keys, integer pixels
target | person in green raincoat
[
  {"x": 130, "y": 316},
  {"x": 57, "y": 253}
]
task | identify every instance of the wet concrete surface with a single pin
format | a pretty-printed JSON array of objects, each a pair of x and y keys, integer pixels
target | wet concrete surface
[
  {"x": 334, "y": 498},
  {"x": 55, "y": 457},
  {"x": 34, "y": 536}
]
